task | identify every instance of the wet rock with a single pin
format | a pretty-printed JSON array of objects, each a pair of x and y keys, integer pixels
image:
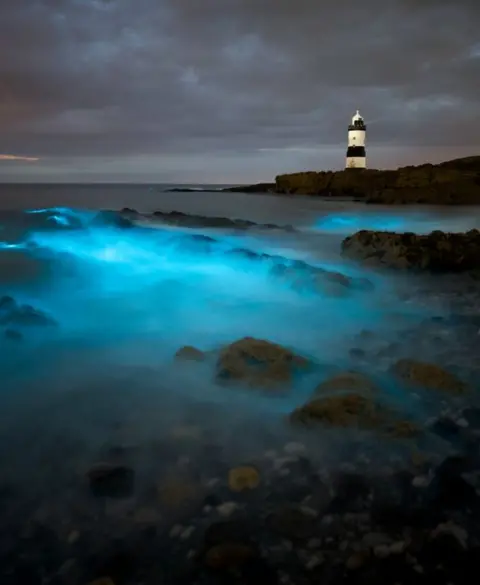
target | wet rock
[
  {"x": 449, "y": 489},
  {"x": 243, "y": 478},
  {"x": 190, "y": 353},
  {"x": 345, "y": 410},
  {"x": 428, "y": 376},
  {"x": 230, "y": 531},
  {"x": 14, "y": 315},
  {"x": 259, "y": 363},
  {"x": 111, "y": 481},
  {"x": 292, "y": 522},
  {"x": 403, "y": 429},
  {"x": 357, "y": 560},
  {"x": 347, "y": 382},
  {"x": 449, "y": 183},
  {"x": 229, "y": 555},
  {"x": 472, "y": 416},
  {"x": 13, "y": 335},
  {"x": 435, "y": 252},
  {"x": 175, "y": 491},
  {"x": 446, "y": 428}
]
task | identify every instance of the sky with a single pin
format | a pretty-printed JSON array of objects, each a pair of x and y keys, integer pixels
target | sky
[{"x": 232, "y": 91}]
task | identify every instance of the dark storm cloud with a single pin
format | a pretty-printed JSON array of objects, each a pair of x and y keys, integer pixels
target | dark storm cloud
[{"x": 147, "y": 77}]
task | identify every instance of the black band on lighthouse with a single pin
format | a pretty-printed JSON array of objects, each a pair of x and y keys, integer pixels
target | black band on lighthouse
[{"x": 356, "y": 151}]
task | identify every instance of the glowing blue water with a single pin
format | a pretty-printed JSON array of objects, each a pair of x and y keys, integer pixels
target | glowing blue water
[{"x": 132, "y": 297}]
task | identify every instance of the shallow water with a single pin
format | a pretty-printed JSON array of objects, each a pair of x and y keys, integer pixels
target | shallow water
[{"x": 126, "y": 299}]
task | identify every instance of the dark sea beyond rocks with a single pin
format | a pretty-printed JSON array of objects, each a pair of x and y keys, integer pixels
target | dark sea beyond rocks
[{"x": 228, "y": 388}]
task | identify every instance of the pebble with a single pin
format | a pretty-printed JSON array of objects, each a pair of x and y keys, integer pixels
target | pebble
[
  {"x": 451, "y": 528},
  {"x": 421, "y": 481},
  {"x": 382, "y": 551},
  {"x": 294, "y": 448},
  {"x": 227, "y": 509},
  {"x": 187, "y": 533},
  {"x": 314, "y": 543},
  {"x": 314, "y": 562},
  {"x": 357, "y": 560},
  {"x": 462, "y": 422},
  {"x": 176, "y": 530},
  {"x": 374, "y": 539},
  {"x": 73, "y": 537}
]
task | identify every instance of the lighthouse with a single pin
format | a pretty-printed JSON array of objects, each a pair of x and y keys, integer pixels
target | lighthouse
[{"x": 356, "y": 155}]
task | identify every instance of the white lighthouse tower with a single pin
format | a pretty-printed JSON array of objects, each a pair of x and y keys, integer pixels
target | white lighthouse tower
[{"x": 356, "y": 155}]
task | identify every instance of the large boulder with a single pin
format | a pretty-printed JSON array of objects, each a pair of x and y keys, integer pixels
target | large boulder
[
  {"x": 428, "y": 376},
  {"x": 435, "y": 252},
  {"x": 449, "y": 183},
  {"x": 258, "y": 363}
]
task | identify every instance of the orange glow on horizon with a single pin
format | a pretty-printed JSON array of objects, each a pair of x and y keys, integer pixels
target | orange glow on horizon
[{"x": 18, "y": 158}]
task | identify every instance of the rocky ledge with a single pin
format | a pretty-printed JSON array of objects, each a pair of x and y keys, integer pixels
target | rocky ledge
[
  {"x": 189, "y": 220},
  {"x": 455, "y": 182},
  {"x": 434, "y": 252}
]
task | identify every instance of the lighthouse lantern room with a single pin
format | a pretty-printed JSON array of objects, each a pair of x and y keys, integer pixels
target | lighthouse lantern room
[{"x": 356, "y": 154}]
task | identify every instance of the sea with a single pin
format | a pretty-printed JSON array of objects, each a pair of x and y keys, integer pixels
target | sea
[{"x": 92, "y": 314}]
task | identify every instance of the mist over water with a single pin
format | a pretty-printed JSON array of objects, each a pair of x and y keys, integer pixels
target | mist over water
[{"x": 126, "y": 299}]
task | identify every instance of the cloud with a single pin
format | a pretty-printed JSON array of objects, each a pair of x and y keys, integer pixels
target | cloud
[
  {"x": 176, "y": 78},
  {"x": 11, "y": 157}
]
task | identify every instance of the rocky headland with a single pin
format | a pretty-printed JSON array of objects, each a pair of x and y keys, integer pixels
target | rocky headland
[{"x": 454, "y": 182}]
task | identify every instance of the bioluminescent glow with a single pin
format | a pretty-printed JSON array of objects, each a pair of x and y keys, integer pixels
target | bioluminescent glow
[{"x": 138, "y": 294}]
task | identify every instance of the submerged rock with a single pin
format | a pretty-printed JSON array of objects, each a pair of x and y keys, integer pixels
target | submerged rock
[
  {"x": 347, "y": 382},
  {"x": 16, "y": 315},
  {"x": 243, "y": 478},
  {"x": 343, "y": 410},
  {"x": 435, "y": 252},
  {"x": 111, "y": 481},
  {"x": 190, "y": 353},
  {"x": 428, "y": 376},
  {"x": 259, "y": 363}
]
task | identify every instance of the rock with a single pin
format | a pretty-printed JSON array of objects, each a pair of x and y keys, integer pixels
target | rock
[
  {"x": 449, "y": 489},
  {"x": 435, "y": 252},
  {"x": 472, "y": 416},
  {"x": 229, "y": 556},
  {"x": 449, "y": 183},
  {"x": 357, "y": 560},
  {"x": 343, "y": 410},
  {"x": 450, "y": 527},
  {"x": 15, "y": 315},
  {"x": 428, "y": 376},
  {"x": 227, "y": 509},
  {"x": 243, "y": 478},
  {"x": 102, "y": 581},
  {"x": 403, "y": 429},
  {"x": 354, "y": 382},
  {"x": 259, "y": 363},
  {"x": 175, "y": 491},
  {"x": 190, "y": 353},
  {"x": 292, "y": 522},
  {"x": 111, "y": 481},
  {"x": 13, "y": 335},
  {"x": 146, "y": 516},
  {"x": 305, "y": 277},
  {"x": 227, "y": 531}
]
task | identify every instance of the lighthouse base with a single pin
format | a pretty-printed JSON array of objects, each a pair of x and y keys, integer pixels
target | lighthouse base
[{"x": 356, "y": 162}]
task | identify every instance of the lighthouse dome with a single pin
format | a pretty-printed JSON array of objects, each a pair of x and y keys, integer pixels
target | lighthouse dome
[{"x": 357, "y": 118}]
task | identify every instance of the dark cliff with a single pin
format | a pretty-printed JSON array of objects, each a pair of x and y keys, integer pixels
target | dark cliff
[{"x": 453, "y": 182}]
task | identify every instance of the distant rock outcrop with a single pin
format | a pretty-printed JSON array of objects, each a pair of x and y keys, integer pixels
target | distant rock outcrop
[
  {"x": 450, "y": 183},
  {"x": 435, "y": 252}
]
